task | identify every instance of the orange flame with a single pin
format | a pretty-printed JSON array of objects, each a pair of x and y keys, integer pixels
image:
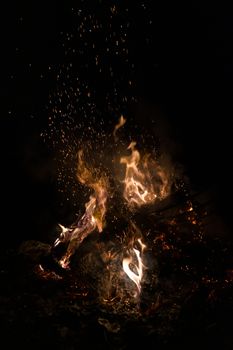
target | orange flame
[
  {"x": 127, "y": 262},
  {"x": 138, "y": 183},
  {"x": 99, "y": 184},
  {"x": 94, "y": 214},
  {"x": 138, "y": 188}
]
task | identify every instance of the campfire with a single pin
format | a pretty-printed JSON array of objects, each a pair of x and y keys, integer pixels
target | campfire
[
  {"x": 144, "y": 183},
  {"x": 138, "y": 255},
  {"x": 117, "y": 230},
  {"x": 133, "y": 220}
]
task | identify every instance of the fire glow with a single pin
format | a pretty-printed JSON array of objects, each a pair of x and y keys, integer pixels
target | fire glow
[
  {"x": 92, "y": 218},
  {"x": 144, "y": 183}
]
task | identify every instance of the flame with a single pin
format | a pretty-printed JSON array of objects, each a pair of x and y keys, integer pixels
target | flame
[
  {"x": 99, "y": 184},
  {"x": 135, "y": 277},
  {"x": 139, "y": 188},
  {"x": 121, "y": 122},
  {"x": 94, "y": 214},
  {"x": 64, "y": 235}
]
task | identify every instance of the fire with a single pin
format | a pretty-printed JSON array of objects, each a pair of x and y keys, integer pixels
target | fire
[
  {"x": 99, "y": 184},
  {"x": 138, "y": 188},
  {"x": 121, "y": 122},
  {"x": 144, "y": 182},
  {"x": 127, "y": 262},
  {"x": 64, "y": 235},
  {"x": 138, "y": 183},
  {"x": 94, "y": 214}
]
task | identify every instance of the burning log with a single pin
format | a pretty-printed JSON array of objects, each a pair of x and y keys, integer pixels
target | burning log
[{"x": 94, "y": 214}]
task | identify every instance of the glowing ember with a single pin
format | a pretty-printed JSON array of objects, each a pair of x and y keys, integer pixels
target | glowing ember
[{"x": 127, "y": 262}]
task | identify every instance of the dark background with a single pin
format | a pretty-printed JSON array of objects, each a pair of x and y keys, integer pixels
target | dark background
[{"x": 187, "y": 70}]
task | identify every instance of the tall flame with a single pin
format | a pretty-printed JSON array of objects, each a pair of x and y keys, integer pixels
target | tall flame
[
  {"x": 127, "y": 262},
  {"x": 94, "y": 214},
  {"x": 141, "y": 186}
]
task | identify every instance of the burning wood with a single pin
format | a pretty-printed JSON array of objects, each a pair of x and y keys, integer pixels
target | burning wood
[
  {"x": 144, "y": 182},
  {"x": 93, "y": 217},
  {"x": 138, "y": 230}
]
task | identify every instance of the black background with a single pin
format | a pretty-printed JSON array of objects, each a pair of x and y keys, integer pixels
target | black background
[{"x": 188, "y": 71}]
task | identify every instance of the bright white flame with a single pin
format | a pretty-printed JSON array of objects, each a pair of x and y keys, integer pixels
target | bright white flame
[
  {"x": 63, "y": 235},
  {"x": 135, "y": 277}
]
